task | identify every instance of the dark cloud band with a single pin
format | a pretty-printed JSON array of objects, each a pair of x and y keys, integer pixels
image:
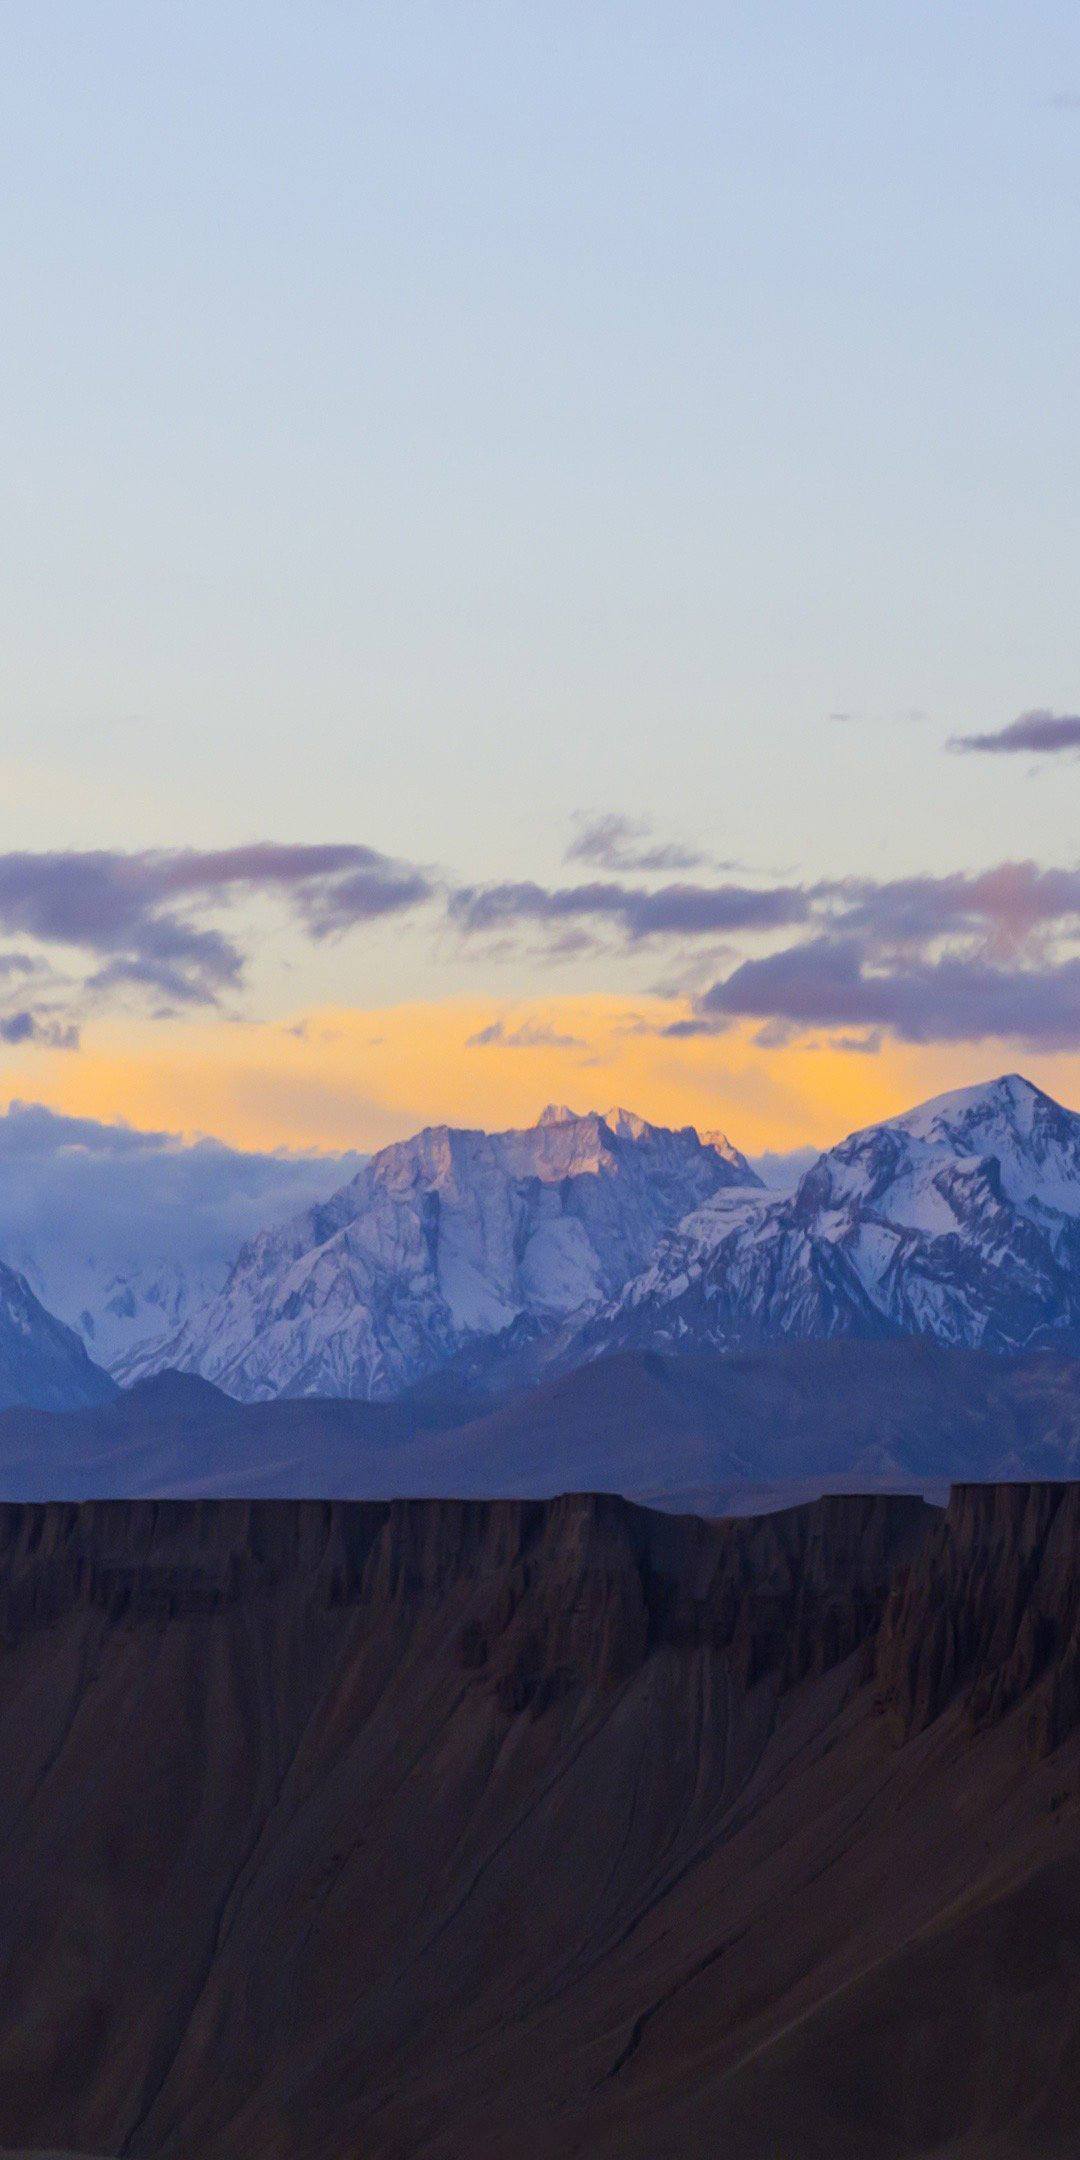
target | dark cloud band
[
  {"x": 961, "y": 957},
  {"x": 138, "y": 914},
  {"x": 829, "y": 982},
  {"x": 636, "y": 913},
  {"x": 1040, "y": 733}
]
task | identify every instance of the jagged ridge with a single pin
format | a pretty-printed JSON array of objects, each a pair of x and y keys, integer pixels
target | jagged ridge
[
  {"x": 959, "y": 1221},
  {"x": 446, "y": 1240}
]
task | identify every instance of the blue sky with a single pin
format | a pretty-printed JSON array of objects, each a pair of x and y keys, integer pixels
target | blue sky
[{"x": 430, "y": 426}]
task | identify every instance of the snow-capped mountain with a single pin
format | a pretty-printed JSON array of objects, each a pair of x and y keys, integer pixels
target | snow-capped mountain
[
  {"x": 123, "y": 1233},
  {"x": 43, "y": 1364},
  {"x": 732, "y": 1156},
  {"x": 959, "y": 1221},
  {"x": 117, "y": 1308},
  {"x": 443, "y": 1241}
]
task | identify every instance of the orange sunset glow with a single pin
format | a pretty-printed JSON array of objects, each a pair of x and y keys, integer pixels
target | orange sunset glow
[{"x": 340, "y": 1078}]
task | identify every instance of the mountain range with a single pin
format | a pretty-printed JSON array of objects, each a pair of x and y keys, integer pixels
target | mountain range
[
  {"x": 508, "y": 1253},
  {"x": 43, "y": 1364},
  {"x": 120, "y": 1308},
  {"x": 714, "y": 1432},
  {"x": 444, "y": 1241},
  {"x": 122, "y": 1232},
  {"x": 958, "y": 1222},
  {"x": 471, "y": 1265}
]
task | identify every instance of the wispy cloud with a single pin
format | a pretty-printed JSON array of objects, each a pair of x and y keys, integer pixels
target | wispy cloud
[
  {"x": 635, "y": 913},
  {"x": 1038, "y": 733},
  {"x": 612, "y": 842},
  {"x": 140, "y": 914},
  {"x": 1003, "y": 907},
  {"x": 1004, "y": 904},
  {"x": 529, "y": 1035},
  {"x": 924, "y": 959}
]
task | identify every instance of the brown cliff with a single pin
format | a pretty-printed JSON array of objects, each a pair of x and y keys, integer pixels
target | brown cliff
[{"x": 467, "y": 1829}]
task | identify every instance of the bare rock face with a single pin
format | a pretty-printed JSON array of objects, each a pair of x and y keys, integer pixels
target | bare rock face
[
  {"x": 446, "y": 1240},
  {"x": 958, "y": 1222},
  {"x": 463, "y": 1829},
  {"x": 583, "y": 1588},
  {"x": 991, "y": 1613}
]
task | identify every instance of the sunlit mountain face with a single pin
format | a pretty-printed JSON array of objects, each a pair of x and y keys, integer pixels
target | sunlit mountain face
[
  {"x": 446, "y": 1241},
  {"x": 958, "y": 1222}
]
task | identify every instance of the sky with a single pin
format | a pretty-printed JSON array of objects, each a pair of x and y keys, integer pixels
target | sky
[{"x": 540, "y": 562}]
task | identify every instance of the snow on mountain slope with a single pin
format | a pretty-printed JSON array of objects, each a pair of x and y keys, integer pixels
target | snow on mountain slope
[
  {"x": 959, "y": 1221},
  {"x": 116, "y": 1305},
  {"x": 443, "y": 1240},
  {"x": 123, "y": 1234},
  {"x": 43, "y": 1364}
]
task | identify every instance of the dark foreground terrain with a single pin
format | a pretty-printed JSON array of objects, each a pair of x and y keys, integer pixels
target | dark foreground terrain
[{"x": 363, "y": 1831}]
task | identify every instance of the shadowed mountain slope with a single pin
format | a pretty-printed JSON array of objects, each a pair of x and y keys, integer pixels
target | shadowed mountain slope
[
  {"x": 468, "y": 1830},
  {"x": 713, "y": 1433},
  {"x": 43, "y": 1364}
]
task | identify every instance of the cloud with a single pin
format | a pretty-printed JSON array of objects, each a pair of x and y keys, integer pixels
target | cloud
[
  {"x": 636, "y": 913},
  {"x": 530, "y": 1035},
  {"x": 1039, "y": 732},
  {"x": 836, "y": 982},
  {"x": 868, "y": 1044},
  {"x": 1006, "y": 905},
  {"x": 781, "y": 1169},
  {"x": 366, "y": 896},
  {"x": 925, "y": 957},
  {"x": 30, "y": 1132},
  {"x": 776, "y": 1034},
  {"x": 359, "y": 875},
  {"x": 137, "y": 912},
  {"x": 28, "y": 1027},
  {"x": 612, "y": 842},
  {"x": 82, "y": 1199},
  {"x": 699, "y": 1024},
  {"x": 177, "y": 985}
]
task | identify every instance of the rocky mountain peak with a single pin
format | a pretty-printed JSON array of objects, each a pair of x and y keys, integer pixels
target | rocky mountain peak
[
  {"x": 556, "y": 1114},
  {"x": 443, "y": 1242},
  {"x": 959, "y": 1220},
  {"x": 626, "y": 1125},
  {"x": 731, "y": 1155}
]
